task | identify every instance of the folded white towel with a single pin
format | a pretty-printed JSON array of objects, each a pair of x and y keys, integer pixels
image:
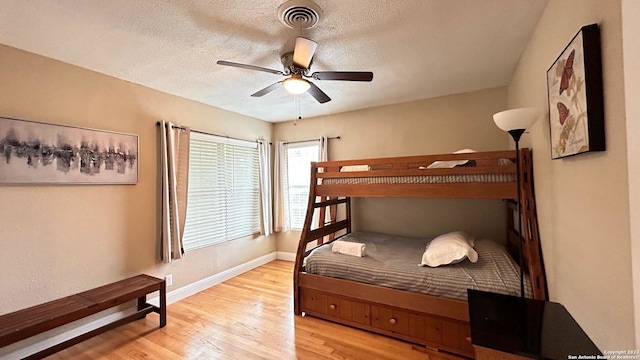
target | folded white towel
[
  {"x": 347, "y": 168},
  {"x": 348, "y": 248}
]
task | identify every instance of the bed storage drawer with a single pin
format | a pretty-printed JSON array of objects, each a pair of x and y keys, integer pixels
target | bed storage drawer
[
  {"x": 338, "y": 308},
  {"x": 397, "y": 321},
  {"x": 424, "y": 329},
  {"x": 448, "y": 334},
  {"x": 441, "y": 333}
]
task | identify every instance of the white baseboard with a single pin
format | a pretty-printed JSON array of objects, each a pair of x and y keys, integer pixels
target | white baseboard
[
  {"x": 200, "y": 285},
  {"x": 287, "y": 256},
  {"x": 172, "y": 296}
]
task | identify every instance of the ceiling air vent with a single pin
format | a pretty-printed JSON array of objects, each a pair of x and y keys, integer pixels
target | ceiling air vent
[{"x": 299, "y": 14}]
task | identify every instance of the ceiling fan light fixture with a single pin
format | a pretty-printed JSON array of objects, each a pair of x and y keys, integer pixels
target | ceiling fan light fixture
[{"x": 296, "y": 85}]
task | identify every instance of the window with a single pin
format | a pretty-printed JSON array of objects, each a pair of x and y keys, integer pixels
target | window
[
  {"x": 299, "y": 158},
  {"x": 223, "y": 201}
]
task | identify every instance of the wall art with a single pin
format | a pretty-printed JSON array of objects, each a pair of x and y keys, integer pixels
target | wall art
[
  {"x": 576, "y": 105},
  {"x": 33, "y": 152}
]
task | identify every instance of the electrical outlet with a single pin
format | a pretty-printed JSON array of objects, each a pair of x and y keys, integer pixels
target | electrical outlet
[{"x": 169, "y": 279}]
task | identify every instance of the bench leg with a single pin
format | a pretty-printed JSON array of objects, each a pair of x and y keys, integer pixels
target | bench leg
[
  {"x": 161, "y": 310},
  {"x": 163, "y": 305},
  {"x": 142, "y": 302}
]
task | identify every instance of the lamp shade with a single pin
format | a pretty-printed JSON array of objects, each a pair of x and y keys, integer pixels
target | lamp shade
[
  {"x": 296, "y": 85},
  {"x": 516, "y": 119}
]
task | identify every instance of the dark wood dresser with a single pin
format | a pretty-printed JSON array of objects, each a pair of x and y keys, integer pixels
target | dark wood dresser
[{"x": 510, "y": 327}]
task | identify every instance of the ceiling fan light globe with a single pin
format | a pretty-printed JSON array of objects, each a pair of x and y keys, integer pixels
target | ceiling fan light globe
[{"x": 295, "y": 85}]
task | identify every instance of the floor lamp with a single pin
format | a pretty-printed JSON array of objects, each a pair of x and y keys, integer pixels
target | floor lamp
[{"x": 515, "y": 122}]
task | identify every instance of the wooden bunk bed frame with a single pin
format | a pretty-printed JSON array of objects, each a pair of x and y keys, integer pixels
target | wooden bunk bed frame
[{"x": 438, "y": 324}]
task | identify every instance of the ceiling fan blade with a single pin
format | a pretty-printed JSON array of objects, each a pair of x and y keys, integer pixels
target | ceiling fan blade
[
  {"x": 318, "y": 94},
  {"x": 267, "y": 90},
  {"x": 343, "y": 75},
  {"x": 303, "y": 52},
  {"x": 249, "y": 67}
]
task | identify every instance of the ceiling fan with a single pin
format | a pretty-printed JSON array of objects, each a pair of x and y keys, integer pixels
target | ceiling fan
[{"x": 297, "y": 69}]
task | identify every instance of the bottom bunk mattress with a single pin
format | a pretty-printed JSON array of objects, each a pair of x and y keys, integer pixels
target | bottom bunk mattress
[{"x": 393, "y": 261}]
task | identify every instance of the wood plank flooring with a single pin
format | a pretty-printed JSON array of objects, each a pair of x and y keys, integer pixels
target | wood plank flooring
[{"x": 247, "y": 317}]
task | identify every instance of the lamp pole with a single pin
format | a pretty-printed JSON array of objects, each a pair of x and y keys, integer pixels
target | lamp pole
[
  {"x": 515, "y": 121},
  {"x": 516, "y": 134}
]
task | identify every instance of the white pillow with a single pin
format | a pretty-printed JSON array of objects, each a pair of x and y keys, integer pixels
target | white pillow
[
  {"x": 452, "y": 163},
  {"x": 348, "y": 168},
  {"x": 450, "y": 248}
]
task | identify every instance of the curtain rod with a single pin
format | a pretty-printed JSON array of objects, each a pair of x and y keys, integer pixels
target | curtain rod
[
  {"x": 208, "y": 133},
  {"x": 301, "y": 141},
  {"x": 229, "y": 137}
]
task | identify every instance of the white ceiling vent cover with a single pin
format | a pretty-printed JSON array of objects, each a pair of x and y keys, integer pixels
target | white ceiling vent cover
[{"x": 299, "y": 14}]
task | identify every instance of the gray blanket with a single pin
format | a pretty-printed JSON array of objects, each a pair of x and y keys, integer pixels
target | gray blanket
[{"x": 392, "y": 261}]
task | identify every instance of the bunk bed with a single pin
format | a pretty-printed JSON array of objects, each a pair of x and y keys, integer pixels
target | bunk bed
[{"x": 436, "y": 323}]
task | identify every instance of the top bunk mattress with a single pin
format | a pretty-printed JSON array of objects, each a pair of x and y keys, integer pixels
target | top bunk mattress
[
  {"x": 426, "y": 178},
  {"x": 393, "y": 262}
]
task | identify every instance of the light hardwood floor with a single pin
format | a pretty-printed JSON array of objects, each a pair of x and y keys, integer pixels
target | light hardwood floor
[{"x": 247, "y": 317}]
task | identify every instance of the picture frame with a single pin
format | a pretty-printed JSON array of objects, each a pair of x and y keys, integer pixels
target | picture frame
[
  {"x": 33, "y": 152},
  {"x": 576, "y": 104}
]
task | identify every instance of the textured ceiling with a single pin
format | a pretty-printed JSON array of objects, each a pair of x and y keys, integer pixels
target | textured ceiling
[{"x": 416, "y": 48}]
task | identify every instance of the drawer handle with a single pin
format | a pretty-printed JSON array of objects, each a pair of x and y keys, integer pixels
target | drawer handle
[
  {"x": 393, "y": 321},
  {"x": 332, "y": 306},
  {"x": 469, "y": 338}
]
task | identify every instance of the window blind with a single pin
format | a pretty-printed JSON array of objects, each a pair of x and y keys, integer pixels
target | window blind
[{"x": 224, "y": 191}]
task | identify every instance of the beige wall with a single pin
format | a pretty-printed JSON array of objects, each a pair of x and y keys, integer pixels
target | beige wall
[
  {"x": 631, "y": 46},
  {"x": 431, "y": 126},
  {"x": 582, "y": 201},
  {"x": 59, "y": 240}
]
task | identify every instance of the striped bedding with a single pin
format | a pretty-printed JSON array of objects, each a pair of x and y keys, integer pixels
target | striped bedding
[
  {"x": 392, "y": 261},
  {"x": 421, "y": 179}
]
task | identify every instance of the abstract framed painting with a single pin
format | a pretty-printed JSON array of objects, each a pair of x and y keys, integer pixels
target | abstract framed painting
[
  {"x": 39, "y": 153},
  {"x": 576, "y": 105}
]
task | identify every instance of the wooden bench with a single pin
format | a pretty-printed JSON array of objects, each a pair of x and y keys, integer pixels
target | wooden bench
[{"x": 28, "y": 322}]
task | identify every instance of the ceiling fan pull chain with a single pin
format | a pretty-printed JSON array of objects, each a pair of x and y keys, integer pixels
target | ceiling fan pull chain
[
  {"x": 299, "y": 117},
  {"x": 296, "y": 102}
]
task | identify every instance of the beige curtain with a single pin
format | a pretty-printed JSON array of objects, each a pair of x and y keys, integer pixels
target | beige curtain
[
  {"x": 265, "y": 187},
  {"x": 280, "y": 189},
  {"x": 323, "y": 151},
  {"x": 174, "y": 148},
  {"x": 323, "y": 155}
]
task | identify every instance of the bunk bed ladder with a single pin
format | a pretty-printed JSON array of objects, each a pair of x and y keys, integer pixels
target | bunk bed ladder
[{"x": 327, "y": 228}]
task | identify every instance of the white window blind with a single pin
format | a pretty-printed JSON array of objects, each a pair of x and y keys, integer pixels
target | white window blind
[
  {"x": 299, "y": 158},
  {"x": 224, "y": 191}
]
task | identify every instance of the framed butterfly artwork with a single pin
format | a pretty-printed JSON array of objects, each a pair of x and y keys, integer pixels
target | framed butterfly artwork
[{"x": 576, "y": 105}]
